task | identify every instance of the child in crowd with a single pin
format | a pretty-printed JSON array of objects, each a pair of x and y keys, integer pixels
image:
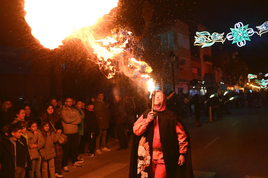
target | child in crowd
[
  {"x": 35, "y": 142},
  {"x": 20, "y": 116},
  {"x": 23, "y": 124},
  {"x": 91, "y": 128},
  {"x": 48, "y": 152},
  {"x": 14, "y": 155}
]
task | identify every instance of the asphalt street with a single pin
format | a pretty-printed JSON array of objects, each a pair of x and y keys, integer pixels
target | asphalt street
[{"x": 234, "y": 147}]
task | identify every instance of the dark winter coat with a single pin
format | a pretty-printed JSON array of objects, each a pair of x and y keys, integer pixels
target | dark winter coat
[
  {"x": 170, "y": 147},
  {"x": 197, "y": 103},
  {"x": 91, "y": 122},
  {"x": 8, "y": 157},
  {"x": 102, "y": 114}
]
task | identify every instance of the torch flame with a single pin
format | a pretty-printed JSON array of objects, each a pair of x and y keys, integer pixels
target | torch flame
[
  {"x": 151, "y": 85},
  {"x": 52, "y": 21}
]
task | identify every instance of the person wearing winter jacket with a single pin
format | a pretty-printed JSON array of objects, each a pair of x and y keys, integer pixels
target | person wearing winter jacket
[
  {"x": 51, "y": 115},
  {"x": 14, "y": 155},
  {"x": 91, "y": 128},
  {"x": 82, "y": 138},
  {"x": 35, "y": 143},
  {"x": 70, "y": 119},
  {"x": 48, "y": 152},
  {"x": 103, "y": 117}
]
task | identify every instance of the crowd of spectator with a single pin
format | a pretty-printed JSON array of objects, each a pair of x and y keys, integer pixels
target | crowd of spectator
[{"x": 39, "y": 141}]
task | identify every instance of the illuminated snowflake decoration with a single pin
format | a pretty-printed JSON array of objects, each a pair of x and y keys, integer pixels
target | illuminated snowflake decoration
[{"x": 240, "y": 34}]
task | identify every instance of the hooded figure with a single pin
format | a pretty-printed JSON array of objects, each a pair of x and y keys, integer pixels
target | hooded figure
[{"x": 161, "y": 144}]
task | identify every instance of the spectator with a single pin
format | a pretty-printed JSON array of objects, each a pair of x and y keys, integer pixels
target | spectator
[
  {"x": 7, "y": 113},
  {"x": 120, "y": 117},
  {"x": 54, "y": 102},
  {"x": 60, "y": 104},
  {"x": 92, "y": 99},
  {"x": 23, "y": 124},
  {"x": 48, "y": 152},
  {"x": 186, "y": 101},
  {"x": 216, "y": 107},
  {"x": 24, "y": 137},
  {"x": 20, "y": 116},
  {"x": 56, "y": 108},
  {"x": 35, "y": 143},
  {"x": 102, "y": 115},
  {"x": 180, "y": 105},
  {"x": 70, "y": 120},
  {"x": 91, "y": 128},
  {"x": 82, "y": 140},
  {"x": 14, "y": 155},
  {"x": 74, "y": 102},
  {"x": 29, "y": 115},
  {"x": 54, "y": 119}
]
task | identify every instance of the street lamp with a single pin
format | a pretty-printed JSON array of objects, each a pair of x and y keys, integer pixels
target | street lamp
[{"x": 172, "y": 57}]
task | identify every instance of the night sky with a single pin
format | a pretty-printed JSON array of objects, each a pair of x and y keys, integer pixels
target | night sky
[{"x": 218, "y": 16}]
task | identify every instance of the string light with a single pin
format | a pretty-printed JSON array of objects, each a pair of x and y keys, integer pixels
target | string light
[{"x": 238, "y": 35}]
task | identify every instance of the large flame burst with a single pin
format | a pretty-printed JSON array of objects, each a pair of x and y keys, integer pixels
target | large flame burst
[{"x": 52, "y": 21}]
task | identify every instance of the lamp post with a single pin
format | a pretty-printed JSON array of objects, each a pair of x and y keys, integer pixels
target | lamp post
[{"x": 172, "y": 57}]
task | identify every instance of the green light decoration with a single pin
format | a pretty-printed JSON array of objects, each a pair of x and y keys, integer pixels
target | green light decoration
[
  {"x": 252, "y": 76},
  {"x": 238, "y": 35},
  {"x": 264, "y": 83}
]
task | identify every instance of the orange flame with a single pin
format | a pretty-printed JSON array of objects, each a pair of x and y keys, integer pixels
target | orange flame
[
  {"x": 140, "y": 64},
  {"x": 151, "y": 85},
  {"x": 54, "y": 20}
]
